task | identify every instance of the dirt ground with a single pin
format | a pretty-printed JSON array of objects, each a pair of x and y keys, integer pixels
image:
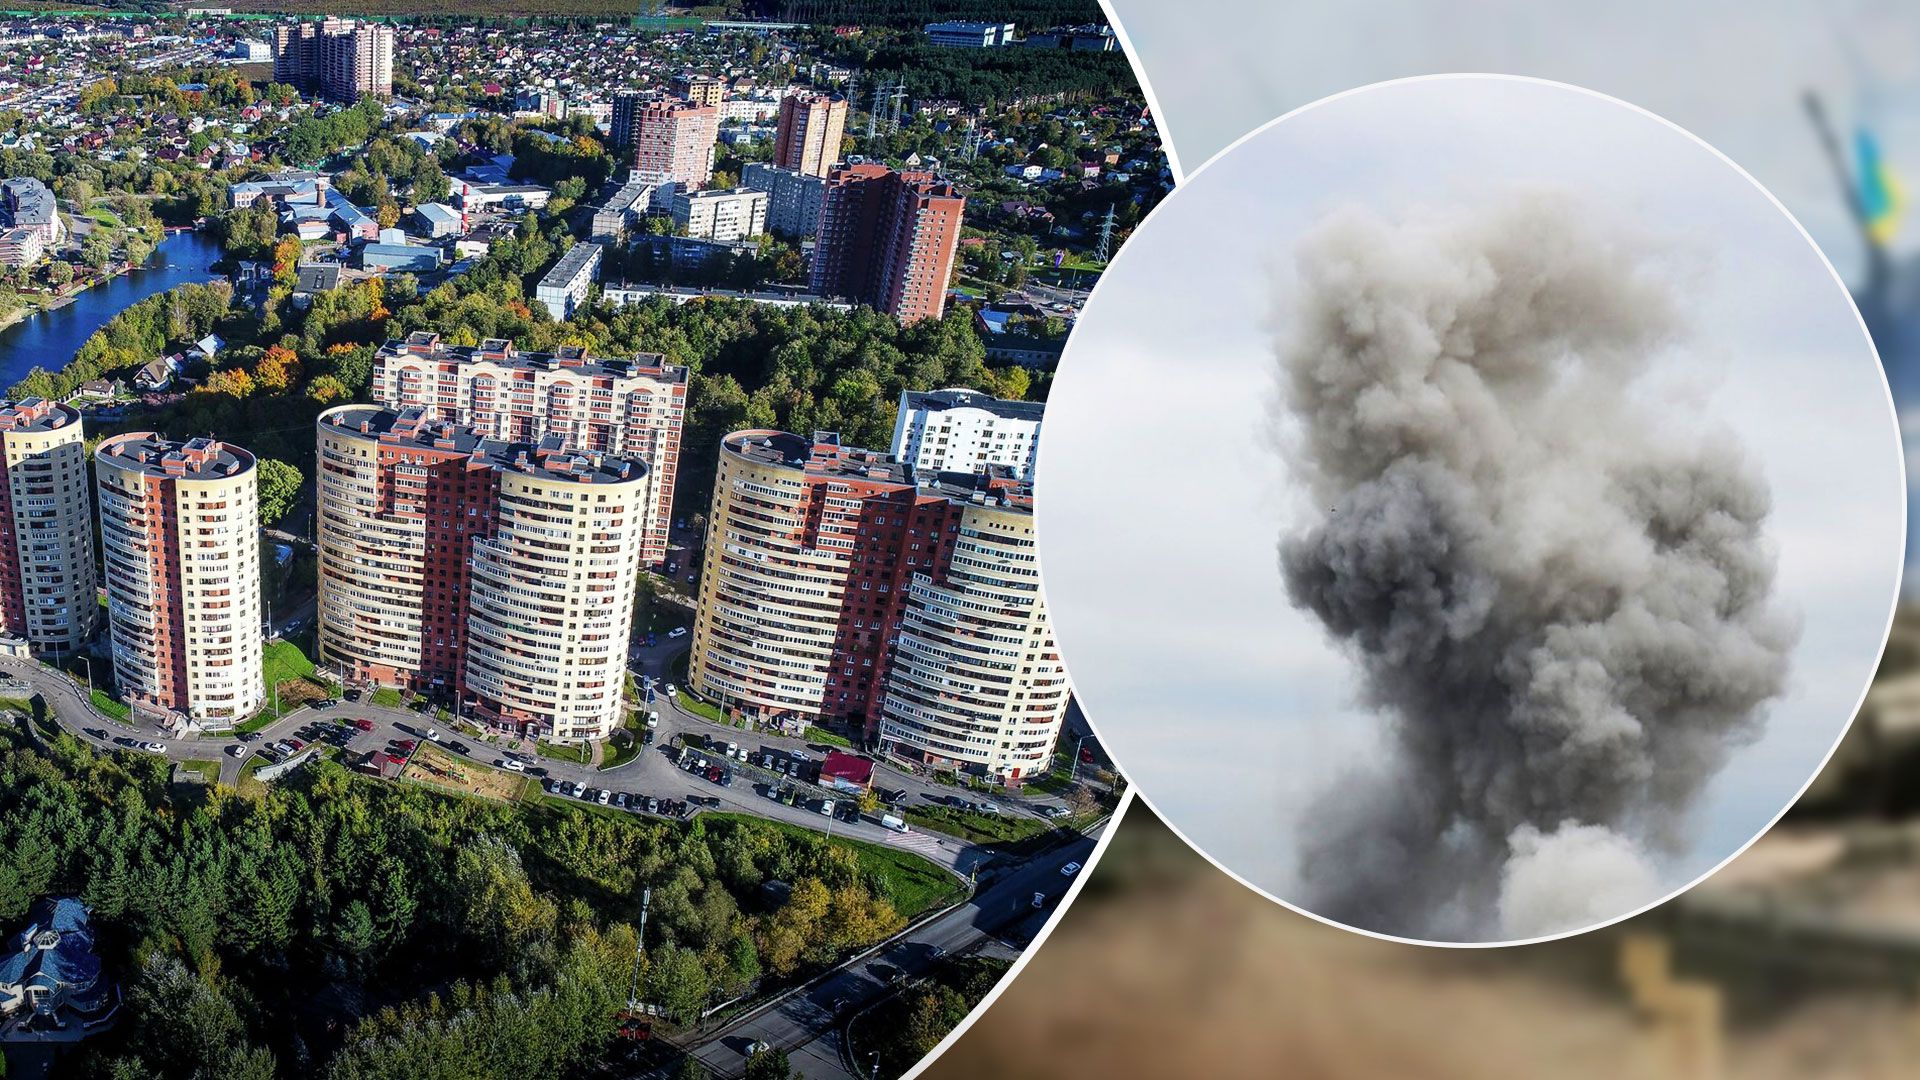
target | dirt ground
[
  {"x": 1188, "y": 974},
  {"x": 437, "y": 768}
]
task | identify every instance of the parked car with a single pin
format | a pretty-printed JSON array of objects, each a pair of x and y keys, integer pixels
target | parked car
[
  {"x": 509, "y": 764},
  {"x": 620, "y": 800},
  {"x": 826, "y": 807},
  {"x": 1039, "y": 900},
  {"x": 351, "y": 695},
  {"x": 363, "y": 724},
  {"x": 678, "y": 631},
  {"x": 604, "y": 797},
  {"x": 433, "y": 734},
  {"x": 1070, "y": 869},
  {"x": 237, "y": 750},
  {"x": 579, "y": 790},
  {"x": 653, "y": 805},
  {"x": 458, "y": 747},
  {"x": 646, "y": 738},
  {"x": 154, "y": 747},
  {"x": 407, "y": 746}
]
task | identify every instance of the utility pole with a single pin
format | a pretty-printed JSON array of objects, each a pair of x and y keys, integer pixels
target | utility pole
[{"x": 639, "y": 949}]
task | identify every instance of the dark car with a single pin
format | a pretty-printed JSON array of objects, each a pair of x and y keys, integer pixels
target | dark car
[
  {"x": 457, "y": 746},
  {"x": 351, "y": 695}
]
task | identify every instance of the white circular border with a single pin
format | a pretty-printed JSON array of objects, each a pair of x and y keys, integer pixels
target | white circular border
[{"x": 1137, "y": 792}]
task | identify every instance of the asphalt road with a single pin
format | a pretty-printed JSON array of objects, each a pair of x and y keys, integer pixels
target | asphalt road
[{"x": 810, "y": 1025}]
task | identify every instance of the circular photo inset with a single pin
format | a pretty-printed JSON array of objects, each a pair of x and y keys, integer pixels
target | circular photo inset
[{"x": 1471, "y": 509}]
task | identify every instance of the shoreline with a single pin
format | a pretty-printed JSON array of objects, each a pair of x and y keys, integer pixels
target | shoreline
[{"x": 122, "y": 269}]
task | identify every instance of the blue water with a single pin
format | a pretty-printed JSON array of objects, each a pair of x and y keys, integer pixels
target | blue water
[{"x": 50, "y": 338}]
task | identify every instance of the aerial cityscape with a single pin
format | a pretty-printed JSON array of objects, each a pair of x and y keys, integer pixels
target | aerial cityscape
[{"x": 518, "y": 536}]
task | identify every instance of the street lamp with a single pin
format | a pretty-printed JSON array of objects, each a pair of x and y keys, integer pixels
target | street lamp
[{"x": 1073, "y": 772}]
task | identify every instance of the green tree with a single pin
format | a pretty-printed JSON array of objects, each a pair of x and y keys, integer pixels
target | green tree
[
  {"x": 769, "y": 1065},
  {"x": 279, "y": 489}
]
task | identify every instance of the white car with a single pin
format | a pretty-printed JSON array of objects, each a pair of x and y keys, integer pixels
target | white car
[
  {"x": 153, "y": 748},
  {"x": 678, "y": 631},
  {"x": 579, "y": 790},
  {"x": 672, "y": 690},
  {"x": 433, "y": 734},
  {"x": 1070, "y": 869},
  {"x": 604, "y": 797},
  {"x": 653, "y": 719},
  {"x": 510, "y": 765},
  {"x": 826, "y": 807}
]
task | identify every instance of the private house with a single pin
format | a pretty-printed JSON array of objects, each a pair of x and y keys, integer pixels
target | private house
[{"x": 52, "y": 984}]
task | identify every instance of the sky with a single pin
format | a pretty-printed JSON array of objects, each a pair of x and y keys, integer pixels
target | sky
[{"x": 1159, "y": 501}]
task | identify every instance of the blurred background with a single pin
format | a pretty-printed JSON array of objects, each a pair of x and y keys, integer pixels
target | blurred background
[{"x": 1799, "y": 959}]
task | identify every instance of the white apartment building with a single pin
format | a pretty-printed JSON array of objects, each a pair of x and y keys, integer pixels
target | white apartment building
[
  {"x": 565, "y": 288},
  {"x": 965, "y": 431},
  {"x": 729, "y": 214}
]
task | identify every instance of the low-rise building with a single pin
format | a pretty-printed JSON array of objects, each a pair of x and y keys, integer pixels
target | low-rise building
[
  {"x": 565, "y": 287},
  {"x": 437, "y": 220},
  {"x": 727, "y": 214},
  {"x": 53, "y": 986}
]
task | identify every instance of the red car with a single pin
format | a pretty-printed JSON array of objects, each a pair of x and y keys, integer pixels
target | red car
[
  {"x": 407, "y": 746},
  {"x": 363, "y": 724}
]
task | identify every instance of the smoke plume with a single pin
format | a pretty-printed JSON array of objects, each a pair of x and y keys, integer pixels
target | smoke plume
[{"x": 1555, "y": 588}]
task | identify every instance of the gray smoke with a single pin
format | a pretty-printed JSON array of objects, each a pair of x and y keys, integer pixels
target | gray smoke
[{"x": 1555, "y": 587}]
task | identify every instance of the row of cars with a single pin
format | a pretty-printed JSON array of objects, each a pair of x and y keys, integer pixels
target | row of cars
[{"x": 618, "y": 800}]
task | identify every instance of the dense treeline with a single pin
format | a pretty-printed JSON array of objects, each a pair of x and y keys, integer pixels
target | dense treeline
[
  {"x": 914, "y": 14},
  {"x": 361, "y": 929},
  {"x": 990, "y": 77},
  {"x": 313, "y": 137}
]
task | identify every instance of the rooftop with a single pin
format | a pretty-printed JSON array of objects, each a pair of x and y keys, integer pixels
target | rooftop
[
  {"x": 154, "y": 455},
  {"x": 961, "y": 398},
  {"x": 824, "y": 456},
  {"x": 36, "y": 415},
  {"x": 427, "y": 346},
  {"x": 547, "y": 459},
  {"x": 574, "y": 261}
]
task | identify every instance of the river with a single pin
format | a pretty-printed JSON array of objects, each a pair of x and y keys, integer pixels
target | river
[{"x": 50, "y": 338}]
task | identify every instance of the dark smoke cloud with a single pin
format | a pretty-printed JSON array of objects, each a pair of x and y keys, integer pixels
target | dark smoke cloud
[{"x": 1556, "y": 589}]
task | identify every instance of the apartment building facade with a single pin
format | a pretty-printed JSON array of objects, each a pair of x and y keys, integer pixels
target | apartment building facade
[
  {"x": 564, "y": 288},
  {"x": 793, "y": 198},
  {"x": 632, "y": 408},
  {"x": 817, "y": 555},
  {"x": 499, "y": 574},
  {"x": 811, "y": 128},
  {"x": 960, "y": 430},
  {"x": 730, "y": 214},
  {"x": 667, "y": 139},
  {"x": 180, "y": 533},
  {"x": 341, "y": 59},
  {"x": 47, "y": 579},
  {"x": 888, "y": 239}
]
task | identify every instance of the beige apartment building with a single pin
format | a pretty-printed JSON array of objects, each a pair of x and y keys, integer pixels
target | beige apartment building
[
  {"x": 180, "y": 533},
  {"x": 975, "y": 681},
  {"x": 47, "y": 578},
  {"x": 630, "y": 408},
  {"x": 501, "y": 574}
]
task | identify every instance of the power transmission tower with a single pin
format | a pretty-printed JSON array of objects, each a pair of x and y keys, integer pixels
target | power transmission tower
[{"x": 1104, "y": 249}]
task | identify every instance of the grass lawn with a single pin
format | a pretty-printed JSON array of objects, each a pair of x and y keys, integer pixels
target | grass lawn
[
  {"x": 282, "y": 661},
  {"x": 975, "y": 828},
  {"x": 822, "y": 735},
  {"x": 1056, "y": 781},
  {"x": 915, "y": 884},
  {"x": 579, "y": 755},
  {"x": 209, "y": 770},
  {"x": 105, "y": 703},
  {"x": 701, "y": 709},
  {"x": 388, "y": 697}
]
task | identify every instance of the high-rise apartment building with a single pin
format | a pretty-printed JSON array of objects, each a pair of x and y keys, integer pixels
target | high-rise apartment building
[
  {"x": 962, "y": 430},
  {"x": 626, "y": 408},
  {"x": 47, "y": 581},
  {"x": 888, "y": 239},
  {"x": 501, "y": 574},
  {"x": 667, "y": 139},
  {"x": 810, "y": 131},
  {"x": 700, "y": 89},
  {"x": 974, "y": 680},
  {"x": 180, "y": 539},
  {"x": 816, "y": 555},
  {"x": 339, "y": 58},
  {"x": 793, "y": 198}
]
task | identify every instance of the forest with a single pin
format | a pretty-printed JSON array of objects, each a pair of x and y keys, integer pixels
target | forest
[
  {"x": 990, "y": 77},
  {"x": 350, "y": 928}
]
